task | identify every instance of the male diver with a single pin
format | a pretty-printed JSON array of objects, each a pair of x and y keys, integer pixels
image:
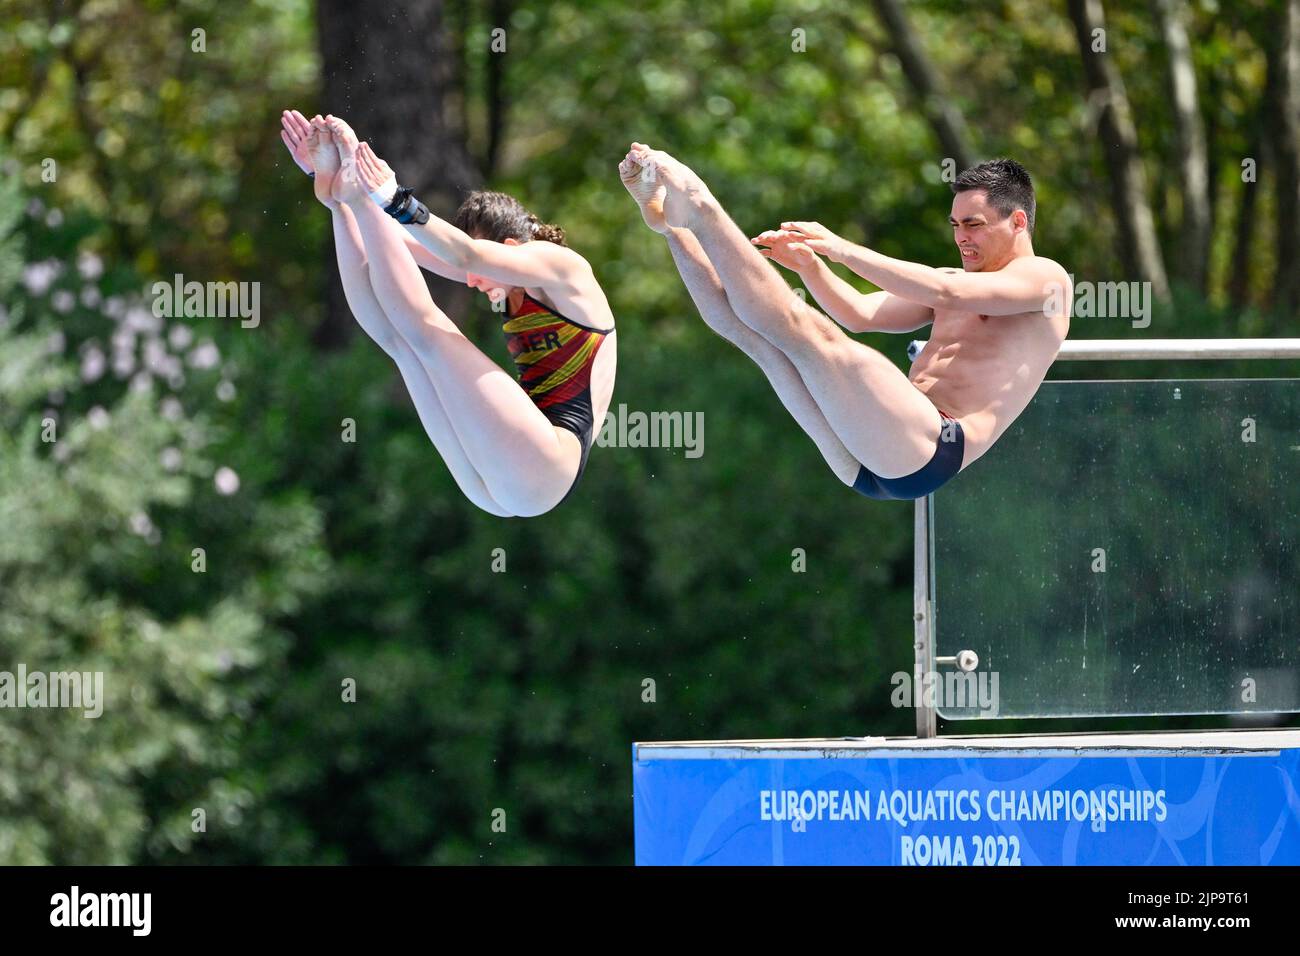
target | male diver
[{"x": 998, "y": 321}]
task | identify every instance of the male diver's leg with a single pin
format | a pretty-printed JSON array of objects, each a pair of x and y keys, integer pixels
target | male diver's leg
[
  {"x": 638, "y": 176},
  {"x": 881, "y": 418},
  {"x": 711, "y": 300}
]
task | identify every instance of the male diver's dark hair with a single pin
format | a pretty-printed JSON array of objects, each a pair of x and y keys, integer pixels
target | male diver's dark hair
[
  {"x": 1007, "y": 184},
  {"x": 496, "y": 216}
]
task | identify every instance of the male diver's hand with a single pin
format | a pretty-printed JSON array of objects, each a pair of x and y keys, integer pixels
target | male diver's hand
[
  {"x": 785, "y": 249},
  {"x": 818, "y": 238}
]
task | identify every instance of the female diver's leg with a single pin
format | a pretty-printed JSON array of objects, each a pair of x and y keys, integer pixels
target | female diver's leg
[
  {"x": 370, "y": 316},
  {"x": 527, "y": 463}
]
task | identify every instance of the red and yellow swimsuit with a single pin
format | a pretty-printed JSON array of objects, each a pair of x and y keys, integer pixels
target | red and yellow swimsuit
[{"x": 553, "y": 356}]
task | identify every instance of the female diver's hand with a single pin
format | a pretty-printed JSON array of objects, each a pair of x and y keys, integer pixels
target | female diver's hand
[{"x": 294, "y": 130}]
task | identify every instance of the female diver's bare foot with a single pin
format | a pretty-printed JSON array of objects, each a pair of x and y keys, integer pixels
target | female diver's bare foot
[
  {"x": 348, "y": 187},
  {"x": 325, "y": 160},
  {"x": 637, "y": 174},
  {"x": 685, "y": 195}
]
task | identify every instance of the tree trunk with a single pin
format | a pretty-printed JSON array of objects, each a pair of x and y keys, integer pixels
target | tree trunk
[
  {"x": 1284, "y": 129},
  {"x": 496, "y": 100},
  {"x": 1137, "y": 232},
  {"x": 387, "y": 72},
  {"x": 944, "y": 118},
  {"x": 1244, "y": 232},
  {"x": 1193, "y": 165}
]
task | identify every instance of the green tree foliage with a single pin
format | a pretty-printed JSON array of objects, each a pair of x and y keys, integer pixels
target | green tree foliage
[{"x": 101, "y": 507}]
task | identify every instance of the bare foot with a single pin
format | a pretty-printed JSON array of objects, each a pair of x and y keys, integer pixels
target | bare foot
[
  {"x": 348, "y": 187},
  {"x": 325, "y": 160},
  {"x": 637, "y": 173},
  {"x": 685, "y": 194},
  {"x": 343, "y": 133}
]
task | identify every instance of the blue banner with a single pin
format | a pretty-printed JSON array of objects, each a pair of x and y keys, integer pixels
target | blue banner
[{"x": 1003, "y": 809}]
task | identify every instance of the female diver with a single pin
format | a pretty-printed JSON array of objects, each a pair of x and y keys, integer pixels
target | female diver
[{"x": 514, "y": 447}]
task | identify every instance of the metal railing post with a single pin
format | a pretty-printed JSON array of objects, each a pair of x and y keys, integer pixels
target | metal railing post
[{"x": 922, "y": 631}]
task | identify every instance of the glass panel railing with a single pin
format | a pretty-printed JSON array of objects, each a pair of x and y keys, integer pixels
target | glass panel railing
[{"x": 1127, "y": 548}]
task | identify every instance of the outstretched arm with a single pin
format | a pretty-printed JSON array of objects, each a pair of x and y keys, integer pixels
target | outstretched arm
[
  {"x": 429, "y": 262},
  {"x": 1025, "y": 285},
  {"x": 854, "y": 310},
  {"x": 531, "y": 264},
  {"x": 295, "y": 130}
]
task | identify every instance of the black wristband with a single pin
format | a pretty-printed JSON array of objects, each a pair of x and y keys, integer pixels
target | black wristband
[
  {"x": 399, "y": 201},
  {"x": 416, "y": 212},
  {"x": 406, "y": 209}
]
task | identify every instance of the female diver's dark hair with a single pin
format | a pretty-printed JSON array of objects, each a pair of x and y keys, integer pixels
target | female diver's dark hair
[{"x": 496, "y": 216}]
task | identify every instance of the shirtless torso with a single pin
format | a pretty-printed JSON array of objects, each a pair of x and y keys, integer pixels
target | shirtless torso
[{"x": 984, "y": 370}]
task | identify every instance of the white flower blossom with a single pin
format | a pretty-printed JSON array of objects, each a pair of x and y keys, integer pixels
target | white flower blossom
[
  {"x": 155, "y": 355},
  {"x": 123, "y": 364},
  {"x": 93, "y": 364},
  {"x": 226, "y": 480},
  {"x": 205, "y": 355},
  {"x": 90, "y": 265},
  {"x": 179, "y": 336},
  {"x": 140, "y": 319},
  {"x": 123, "y": 340},
  {"x": 38, "y": 276}
]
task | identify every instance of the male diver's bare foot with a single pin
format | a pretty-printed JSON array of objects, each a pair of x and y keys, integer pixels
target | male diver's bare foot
[
  {"x": 685, "y": 195},
  {"x": 637, "y": 174},
  {"x": 325, "y": 160}
]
